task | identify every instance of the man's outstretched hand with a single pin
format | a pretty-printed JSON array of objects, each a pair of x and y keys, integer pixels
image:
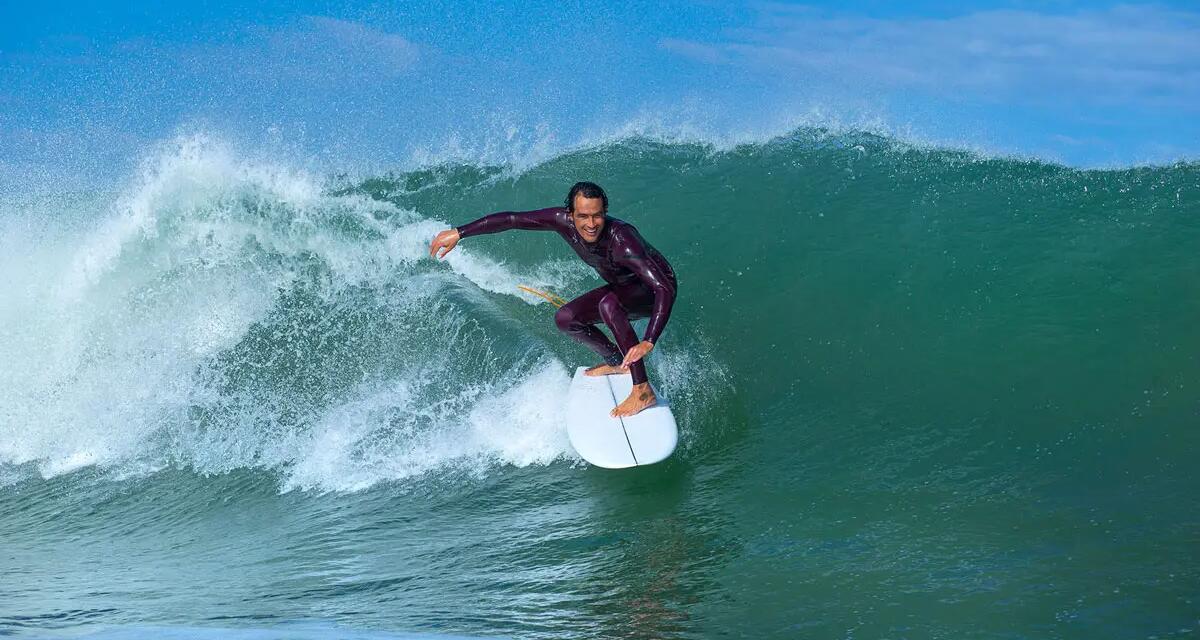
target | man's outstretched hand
[
  {"x": 637, "y": 352},
  {"x": 443, "y": 243}
]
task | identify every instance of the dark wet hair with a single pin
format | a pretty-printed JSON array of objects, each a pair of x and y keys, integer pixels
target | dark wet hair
[{"x": 589, "y": 190}]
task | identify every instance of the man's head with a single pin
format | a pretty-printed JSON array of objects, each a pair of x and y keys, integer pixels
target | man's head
[{"x": 588, "y": 204}]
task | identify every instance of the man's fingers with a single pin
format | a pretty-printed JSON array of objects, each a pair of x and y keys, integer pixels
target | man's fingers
[
  {"x": 439, "y": 246},
  {"x": 636, "y": 352}
]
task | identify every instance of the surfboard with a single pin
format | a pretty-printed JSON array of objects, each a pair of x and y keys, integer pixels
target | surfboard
[{"x": 644, "y": 438}]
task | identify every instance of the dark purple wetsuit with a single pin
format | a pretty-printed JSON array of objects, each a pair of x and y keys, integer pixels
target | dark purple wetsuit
[{"x": 640, "y": 281}]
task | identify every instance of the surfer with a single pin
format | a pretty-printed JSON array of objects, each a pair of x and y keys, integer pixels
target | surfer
[{"x": 640, "y": 282}]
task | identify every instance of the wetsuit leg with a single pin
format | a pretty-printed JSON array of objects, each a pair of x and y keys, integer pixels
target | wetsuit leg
[
  {"x": 578, "y": 319},
  {"x": 617, "y": 307}
]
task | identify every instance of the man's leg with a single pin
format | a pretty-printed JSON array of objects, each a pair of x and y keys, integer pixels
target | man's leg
[
  {"x": 617, "y": 319},
  {"x": 616, "y": 315},
  {"x": 578, "y": 319}
]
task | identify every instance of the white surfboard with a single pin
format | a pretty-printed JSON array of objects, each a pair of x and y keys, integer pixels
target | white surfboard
[{"x": 646, "y": 437}]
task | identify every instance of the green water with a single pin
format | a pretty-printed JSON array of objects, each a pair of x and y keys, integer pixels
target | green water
[{"x": 923, "y": 395}]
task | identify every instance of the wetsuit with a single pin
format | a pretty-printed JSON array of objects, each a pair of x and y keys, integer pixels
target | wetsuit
[{"x": 640, "y": 281}]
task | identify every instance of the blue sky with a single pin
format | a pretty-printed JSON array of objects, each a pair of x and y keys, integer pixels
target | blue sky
[{"x": 91, "y": 86}]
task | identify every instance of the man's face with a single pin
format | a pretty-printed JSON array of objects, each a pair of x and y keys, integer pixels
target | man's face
[{"x": 588, "y": 217}]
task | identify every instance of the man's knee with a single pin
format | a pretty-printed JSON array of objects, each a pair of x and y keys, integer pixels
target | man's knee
[
  {"x": 610, "y": 308},
  {"x": 564, "y": 318}
]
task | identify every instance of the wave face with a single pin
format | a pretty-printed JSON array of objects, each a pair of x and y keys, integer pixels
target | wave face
[{"x": 239, "y": 394}]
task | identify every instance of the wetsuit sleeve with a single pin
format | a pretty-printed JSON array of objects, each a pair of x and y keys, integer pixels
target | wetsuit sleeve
[
  {"x": 631, "y": 253},
  {"x": 541, "y": 220}
]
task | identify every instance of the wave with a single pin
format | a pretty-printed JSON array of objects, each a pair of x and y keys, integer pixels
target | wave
[
  {"x": 222, "y": 313},
  {"x": 228, "y": 314}
]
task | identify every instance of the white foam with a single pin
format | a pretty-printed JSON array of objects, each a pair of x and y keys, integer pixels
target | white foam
[
  {"x": 110, "y": 331},
  {"x": 391, "y": 434}
]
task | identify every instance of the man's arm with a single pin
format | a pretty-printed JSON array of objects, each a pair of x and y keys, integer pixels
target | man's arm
[
  {"x": 633, "y": 255},
  {"x": 541, "y": 219}
]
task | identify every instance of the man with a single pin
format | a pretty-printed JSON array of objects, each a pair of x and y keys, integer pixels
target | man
[{"x": 640, "y": 282}]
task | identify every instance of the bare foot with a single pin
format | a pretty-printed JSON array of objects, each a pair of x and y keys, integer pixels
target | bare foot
[
  {"x": 605, "y": 370},
  {"x": 642, "y": 397}
]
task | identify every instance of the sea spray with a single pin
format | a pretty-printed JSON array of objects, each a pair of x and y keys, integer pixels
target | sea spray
[{"x": 163, "y": 327}]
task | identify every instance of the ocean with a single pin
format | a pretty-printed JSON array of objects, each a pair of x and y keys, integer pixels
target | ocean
[{"x": 923, "y": 393}]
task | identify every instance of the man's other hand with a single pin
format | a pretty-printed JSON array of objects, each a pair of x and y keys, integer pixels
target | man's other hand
[
  {"x": 443, "y": 243},
  {"x": 637, "y": 352}
]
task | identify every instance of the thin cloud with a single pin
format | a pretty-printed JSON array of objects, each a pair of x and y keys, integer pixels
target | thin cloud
[
  {"x": 1147, "y": 56},
  {"x": 698, "y": 51},
  {"x": 311, "y": 46},
  {"x": 344, "y": 43},
  {"x": 318, "y": 48}
]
